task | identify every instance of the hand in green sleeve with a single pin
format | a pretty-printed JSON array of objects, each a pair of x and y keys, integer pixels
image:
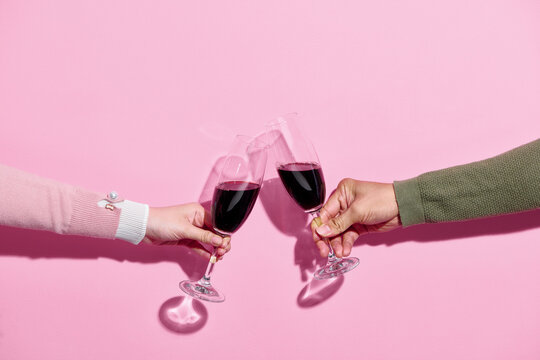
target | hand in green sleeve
[
  {"x": 507, "y": 183},
  {"x": 354, "y": 208}
]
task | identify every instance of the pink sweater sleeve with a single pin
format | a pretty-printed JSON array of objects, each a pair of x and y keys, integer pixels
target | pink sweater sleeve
[{"x": 29, "y": 201}]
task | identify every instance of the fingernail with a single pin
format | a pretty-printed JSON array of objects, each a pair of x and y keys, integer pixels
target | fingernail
[
  {"x": 317, "y": 221},
  {"x": 221, "y": 252},
  {"x": 324, "y": 230},
  {"x": 216, "y": 240}
]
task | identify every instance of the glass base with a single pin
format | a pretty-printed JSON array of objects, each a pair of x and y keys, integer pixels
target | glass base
[
  {"x": 336, "y": 268},
  {"x": 202, "y": 292}
]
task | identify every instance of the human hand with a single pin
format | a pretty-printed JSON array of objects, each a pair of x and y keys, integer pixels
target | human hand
[
  {"x": 354, "y": 208},
  {"x": 184, "y": 225}
]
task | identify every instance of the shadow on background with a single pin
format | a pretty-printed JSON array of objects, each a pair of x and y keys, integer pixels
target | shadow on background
[
  {"x": 191, "y": 315},
  {"x": 41, "y": 244},
  {"x": 289, "y": 219},
  {"x": 183, "y": 315},
  {"x": 318, "y": 291},
  {"x": 503, "y": 224}
]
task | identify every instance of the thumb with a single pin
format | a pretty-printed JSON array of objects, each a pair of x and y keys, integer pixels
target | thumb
[
  {"x": 336, "y": 225},
  {"x": 202, "y": 236}
]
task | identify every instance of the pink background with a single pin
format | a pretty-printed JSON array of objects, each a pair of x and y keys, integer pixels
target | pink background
[{"x": 144, "y": 97}]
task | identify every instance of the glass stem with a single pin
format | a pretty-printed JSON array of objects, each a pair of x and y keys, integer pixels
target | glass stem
[
  {"x": 205, "y": 280},
  {"x": 331, "y": 255}
]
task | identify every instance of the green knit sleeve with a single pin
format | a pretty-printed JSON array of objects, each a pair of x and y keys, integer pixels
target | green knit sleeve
[{"x": 503, "y": 184}]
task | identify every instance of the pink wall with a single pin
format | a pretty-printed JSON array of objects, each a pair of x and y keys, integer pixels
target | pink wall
[{"x": 144, "y": 97}]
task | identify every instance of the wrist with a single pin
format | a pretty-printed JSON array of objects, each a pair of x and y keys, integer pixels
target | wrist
[
  {"x": 392, "y": 200},
  {"x": 150, "y": 226},
  {"x": 409, "y": 200}
]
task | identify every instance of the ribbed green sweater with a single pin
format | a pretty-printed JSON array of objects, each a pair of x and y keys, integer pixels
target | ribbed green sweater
[{"x": 503, "y": 184}]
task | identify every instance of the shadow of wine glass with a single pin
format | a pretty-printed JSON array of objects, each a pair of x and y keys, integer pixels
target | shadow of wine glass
[
  {"x": 207, "y": 192},
  {"x": 183, "y": 315},
  {"x": 34, "y": 244},
  {"x": 318, "y": 291},
  {"x": 306, "y": 255},
  {"x": 289, "y": 219}
]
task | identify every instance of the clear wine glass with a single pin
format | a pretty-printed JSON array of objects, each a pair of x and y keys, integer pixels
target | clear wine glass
[
  {"x": 234, "y": 196},
  {"x": 300, "y": 171}
]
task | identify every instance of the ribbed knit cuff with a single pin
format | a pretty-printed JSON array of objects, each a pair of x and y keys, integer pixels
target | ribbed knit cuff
[
  {"x": 133, "y": 220},
  {"x": 411, "y": 209}
]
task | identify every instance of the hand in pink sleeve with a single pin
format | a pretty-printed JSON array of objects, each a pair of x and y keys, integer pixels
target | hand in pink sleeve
[
  {"x": 32, "y": 202},
  {"x": 184, "y": 225}
]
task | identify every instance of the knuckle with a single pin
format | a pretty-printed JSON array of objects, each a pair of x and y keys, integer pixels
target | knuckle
[
  {"x": 325, "y": 214},
  {"x": 207, "y": 237},
  {"x": 348, "y": 242},
  {"x": 343, "y": 182},
  {"x": 196, "y": 207},
  {"x": 347, "y": 182},
  {"x": 338, "y": 223}
]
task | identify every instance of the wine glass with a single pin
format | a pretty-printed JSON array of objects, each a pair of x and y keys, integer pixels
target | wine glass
[
  {"x": 300, "y": 172},
  {"x": 234, "y": 196}
]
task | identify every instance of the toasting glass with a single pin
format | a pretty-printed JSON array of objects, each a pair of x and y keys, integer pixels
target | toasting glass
[
  {"x": 234, "y": 196},
  {"x": 300, "y": 171}
]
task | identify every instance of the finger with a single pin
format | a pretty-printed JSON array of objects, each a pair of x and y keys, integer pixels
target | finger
[
  {"x": 197, "y": 248},
  {"x": 324, "y": 250},
  {"x": 226, "y": 242},
  {"x": 332, "y": 207},
  {"x": 222, "y": 251},
  {"x": 203, "y": 236},
  {"x": 337, "y": 246},
  {"x": 336, "y": 225},
  {"x": 319, "y": 241},
  {"x": 201, "y": 252},
  {"x": 349, "y": 237},
  {"x": 315, "y": 223}
]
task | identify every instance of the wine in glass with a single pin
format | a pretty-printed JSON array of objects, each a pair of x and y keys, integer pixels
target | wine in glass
[
  {"x": 300, "y": 172},
  {"x": 234, "y": 196}
]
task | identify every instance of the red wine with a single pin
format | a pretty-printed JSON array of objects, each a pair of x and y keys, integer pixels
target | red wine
[
  {"x": 305, "y": 183},
  {"x": 232, "y": 203}
]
